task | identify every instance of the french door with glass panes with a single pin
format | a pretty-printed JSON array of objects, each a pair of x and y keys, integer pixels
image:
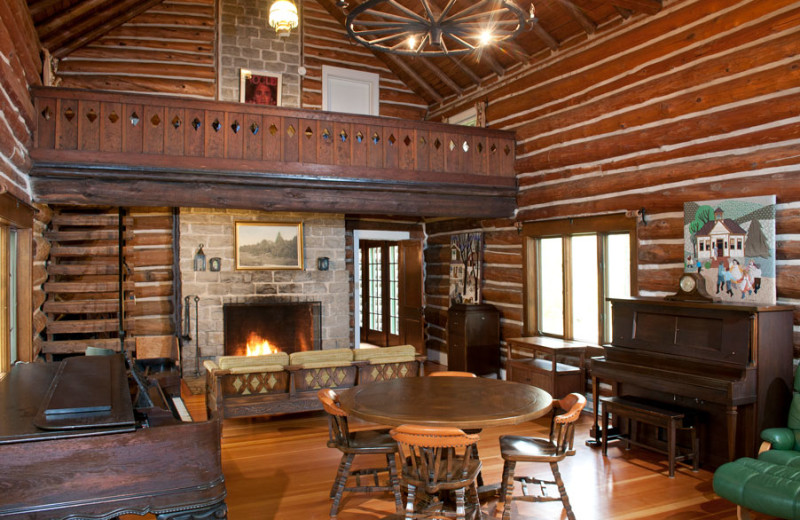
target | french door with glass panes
[{"x": 380, "y": 306}]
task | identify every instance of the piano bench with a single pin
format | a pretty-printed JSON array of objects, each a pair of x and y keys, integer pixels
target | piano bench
[{"x": 634, "y": 410}]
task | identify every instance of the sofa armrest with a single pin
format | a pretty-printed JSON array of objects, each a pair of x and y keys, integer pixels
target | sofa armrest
[
  {"x": 210, "y": 365},
  {"x": 779, "y": 438}
]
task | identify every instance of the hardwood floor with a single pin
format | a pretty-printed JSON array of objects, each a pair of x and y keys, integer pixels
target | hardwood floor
[{"x": 281, "y": 469}]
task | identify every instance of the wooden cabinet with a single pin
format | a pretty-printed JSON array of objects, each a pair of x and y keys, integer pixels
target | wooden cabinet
[
  {"x": 552, "y": 364},
  {"x": 473, "y": 338}
]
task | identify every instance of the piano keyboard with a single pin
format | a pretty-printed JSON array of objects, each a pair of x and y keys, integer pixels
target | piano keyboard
[{"x": 181, "y": 409}]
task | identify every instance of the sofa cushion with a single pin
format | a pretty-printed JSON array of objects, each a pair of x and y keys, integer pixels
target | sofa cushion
[
  {"x": 319, "y": 358},
  {"x": 761, "y": 486},
  {"x": 229, "y": 362},
  {"x": 256, "y": 369},
  {"x": 397, "y": 354}
]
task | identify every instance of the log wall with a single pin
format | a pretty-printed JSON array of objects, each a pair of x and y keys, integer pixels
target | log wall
[
  {"x": 169, "y": 49},
  {"x": 326, "y": 42},
  {"x": 696, "y": 102},
  {"x": 20, "y": 67}
]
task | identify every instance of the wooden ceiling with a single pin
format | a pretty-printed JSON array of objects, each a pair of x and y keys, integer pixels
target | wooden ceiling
[{"x": 66, "y": 25}]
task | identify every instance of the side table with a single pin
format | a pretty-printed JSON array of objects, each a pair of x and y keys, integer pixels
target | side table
[{"x": 541, "y": 367}]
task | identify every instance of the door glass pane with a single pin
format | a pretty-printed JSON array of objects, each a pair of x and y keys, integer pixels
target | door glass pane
[
  {"x": 618, "y": 272},
  {"x": 394, "y": 302},
  {"x": 584, "y": 288},
  {"x": 551, "y": 286},
  {"x": 375, "y": 289}
]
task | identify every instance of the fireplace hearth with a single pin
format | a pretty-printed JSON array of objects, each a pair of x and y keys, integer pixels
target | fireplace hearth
[{"x": 287, "y": 326}]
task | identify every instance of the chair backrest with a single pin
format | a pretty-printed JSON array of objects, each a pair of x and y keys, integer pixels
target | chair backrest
[
  {"x": 562, "y": 426},
  {"x": 434, "y": 456},
  {"x": 338, "y": 428},
  {"x": 452, "y": 373}
]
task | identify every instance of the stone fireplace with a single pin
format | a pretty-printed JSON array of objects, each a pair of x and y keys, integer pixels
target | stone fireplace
[
  {"x": 323, "y": 236},
  {"x": 273, "y": 326}
]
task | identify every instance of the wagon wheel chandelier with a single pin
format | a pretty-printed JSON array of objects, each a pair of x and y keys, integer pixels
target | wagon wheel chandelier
[{"x": 459, "y": 28}]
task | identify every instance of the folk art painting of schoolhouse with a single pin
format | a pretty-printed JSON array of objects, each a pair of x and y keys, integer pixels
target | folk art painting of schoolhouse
[{"x": 731, "y": 243}]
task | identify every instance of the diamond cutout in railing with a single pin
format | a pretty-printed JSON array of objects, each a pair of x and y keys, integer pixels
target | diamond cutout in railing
[
  {"x": 291, "y": 131},
  {"x": 343, "y": 136},
  {"x": 254, "y": 128},
  {"x": 422, "y": 140},
  {"x": 359, "y": 137},
  {"x": 273, "y": 129},
  {"x": 176, "y": 122},
  {"x": 437, "y": 143},
  {"x": 134, "y": 119},
  {"x": 309, "y": 133},
  {"x": 47, "y": 113},
  {"x": 236, "y": 127},
  {"x": 216, "y": 125},
  {"x": 480, "y": 147},
  {"x": 392, "y": 140},
  {"x": 69, "y": 114},
  {"x": 155, "y": 120},
  {"x": 493, "y": 149},
  {"x": 113, "y": 117},
  {"x": 407, "y": 140},
  {"x": 196, "y": 124},
  {"x": 507, "y": 150},
  {"x": 326, "y": 134},
  {"x": 376, "y": 138},
  {"x": 465, "y": 146},
  {"x": 452, "y": 145},
  {"x": 91, "y": 116}
]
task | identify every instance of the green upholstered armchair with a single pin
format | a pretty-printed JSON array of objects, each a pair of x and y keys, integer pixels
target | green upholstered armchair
[{"x": 771, "y": 483}]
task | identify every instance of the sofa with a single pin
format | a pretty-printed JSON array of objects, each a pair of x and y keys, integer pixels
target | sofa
[
  {"x": 769, "y": 484},
  {"x": 242, "y": 386}
]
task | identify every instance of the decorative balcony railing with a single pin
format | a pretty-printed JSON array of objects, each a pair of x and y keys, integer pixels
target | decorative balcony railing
[{"x": 211, "y": 153}]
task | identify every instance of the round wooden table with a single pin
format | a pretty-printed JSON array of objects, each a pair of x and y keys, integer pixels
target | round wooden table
[{"x": 460, "y": 402}]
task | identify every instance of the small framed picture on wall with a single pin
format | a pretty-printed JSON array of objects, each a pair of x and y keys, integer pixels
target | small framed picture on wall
[{"x": 260, "y": 87}]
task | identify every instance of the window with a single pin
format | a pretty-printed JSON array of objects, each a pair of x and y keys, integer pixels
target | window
[
  {"x": 16, "y": 221},
  {"x": 350, "y": 91},
  {"x": 572, "y": 267}
]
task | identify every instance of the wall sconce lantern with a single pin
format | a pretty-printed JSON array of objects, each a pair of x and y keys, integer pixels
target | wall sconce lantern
[
  {"x": 200, "y": 259},
  {"x": 323, "y": 263},
  {"x": 518, "y": 225},
  {"x": 283, "y": 17}
]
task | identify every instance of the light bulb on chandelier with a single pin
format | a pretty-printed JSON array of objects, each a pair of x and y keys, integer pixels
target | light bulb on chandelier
[{"x": 283, "y": 17}]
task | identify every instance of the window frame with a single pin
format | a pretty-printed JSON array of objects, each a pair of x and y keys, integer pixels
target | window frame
[
  {"x": 17, "y": 215},
  {"x": 600, "y": 225}
]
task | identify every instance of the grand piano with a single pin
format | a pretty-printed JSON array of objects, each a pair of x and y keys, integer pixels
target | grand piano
[
  {"x": 76, "y": 443},
  {"x": 730, "y": 363}
]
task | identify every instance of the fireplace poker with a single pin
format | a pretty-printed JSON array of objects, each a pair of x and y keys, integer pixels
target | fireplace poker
[
  {"x": 196, "y": 337},
  {"x": 187, "y": 323}
]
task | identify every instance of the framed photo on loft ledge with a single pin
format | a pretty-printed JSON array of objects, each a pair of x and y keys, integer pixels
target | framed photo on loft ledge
[
  {"x": 260, "y": 87},
  {"x": 269, "y": 245}
]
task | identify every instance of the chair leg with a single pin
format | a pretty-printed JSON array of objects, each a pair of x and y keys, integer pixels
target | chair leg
[
  {"x": 412, "y": 493},
  {"x": 395, "y": 480},
  {"x": 742, "y": 513},
  {"x": 461, "y": 510},
  {"x": 476, "y": 500},
  {"x": 562, "y": 491},
  {"x": 339, "y": 471},
  {"x": 340, "y": 484},
  {"x": 508, "y": 485}
]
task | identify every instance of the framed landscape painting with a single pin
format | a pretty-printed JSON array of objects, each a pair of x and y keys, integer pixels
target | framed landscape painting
[
  {"x": 731, "y": 243},
  {"x": 269, "y": 245}
]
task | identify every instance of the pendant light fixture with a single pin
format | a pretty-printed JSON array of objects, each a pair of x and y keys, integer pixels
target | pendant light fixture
[{"x": 283, "y": 17}]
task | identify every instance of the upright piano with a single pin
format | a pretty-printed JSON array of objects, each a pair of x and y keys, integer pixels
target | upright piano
[
  {"x": 730, "y": 363},
  {"x": 73, "y": 445}
]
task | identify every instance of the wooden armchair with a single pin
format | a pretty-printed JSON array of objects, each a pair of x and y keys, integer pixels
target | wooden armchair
[
  {"x": 357, "y": 443},
  {"x": 438, "y": 459},
  {"x": 515, "y": 448}
]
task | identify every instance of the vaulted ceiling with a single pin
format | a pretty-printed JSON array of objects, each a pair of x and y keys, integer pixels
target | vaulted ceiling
[{"x": 66, "y": 25}]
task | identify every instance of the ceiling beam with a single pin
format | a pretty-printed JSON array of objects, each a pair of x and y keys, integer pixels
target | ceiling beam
[
  {"x": 69, "y": 17},
  {"x": 624, "y": 13},
  {"x": 37, "y": 7},
  {"x": 642, "y": 6},
  {"x": 439, "y": 73},
  {"x": 84, "y": 32},
  {"x": 486, "y": 57},
  {"x": 466, "y": 70},
  {"x": 577, "y": 13},
  {"x": 416, "y": 77},
  {"x": 515, "y": 50},
  {"x": 543, "y": 35}
]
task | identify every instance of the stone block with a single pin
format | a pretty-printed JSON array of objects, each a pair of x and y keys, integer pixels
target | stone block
[
  {"x": 266, "y": 288},
  {"x": 290, "y": 288}
]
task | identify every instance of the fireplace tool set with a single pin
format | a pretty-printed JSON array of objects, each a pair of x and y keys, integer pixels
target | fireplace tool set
[{"x": 187, "y": 325}]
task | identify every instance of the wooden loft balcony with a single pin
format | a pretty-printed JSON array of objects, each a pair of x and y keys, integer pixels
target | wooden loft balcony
[{"x": 94, "y": 147}]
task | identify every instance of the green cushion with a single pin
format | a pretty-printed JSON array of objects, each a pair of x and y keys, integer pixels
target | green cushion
[
  {"x": 759, "y": 485},
  {"x": 780, "y": 438}
]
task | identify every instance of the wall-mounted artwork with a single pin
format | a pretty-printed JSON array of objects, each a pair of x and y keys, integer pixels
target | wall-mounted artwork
[
  {"x": 263, "y": 245},
  {"x": 465, "y": 268},
  {"x": 260, "y": 88},
  {"x": 731, "y": 243}
]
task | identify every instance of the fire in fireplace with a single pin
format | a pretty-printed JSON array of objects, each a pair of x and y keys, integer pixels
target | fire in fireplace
[{"x": 264, "y": 327}]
